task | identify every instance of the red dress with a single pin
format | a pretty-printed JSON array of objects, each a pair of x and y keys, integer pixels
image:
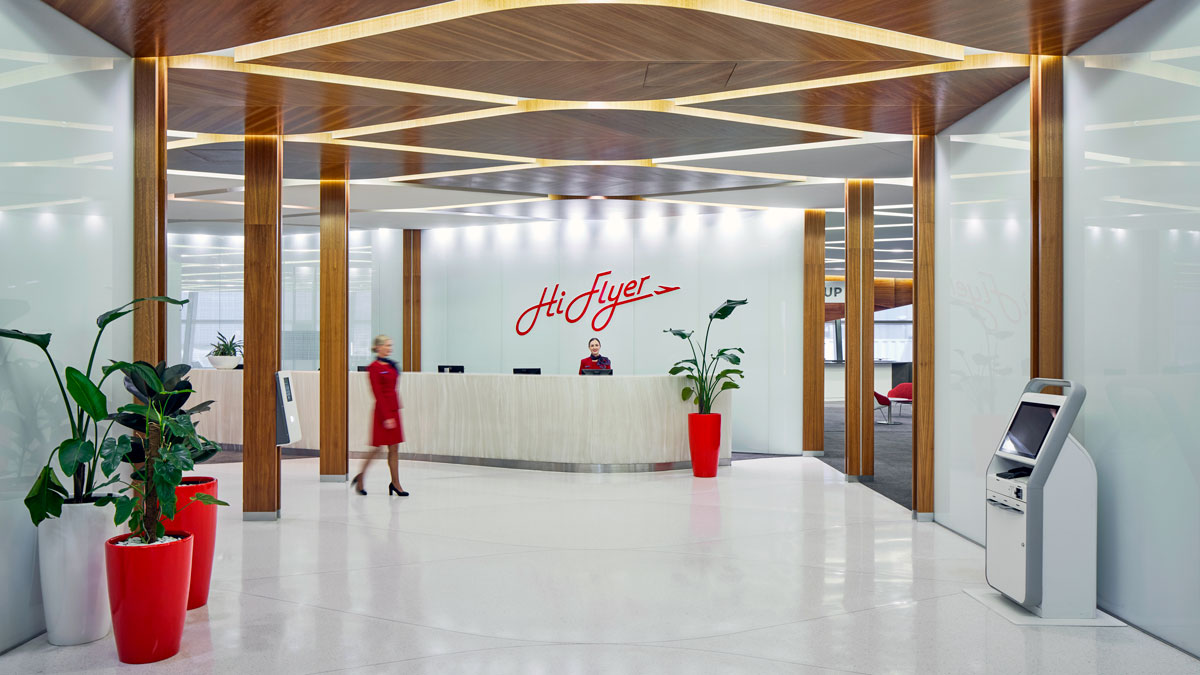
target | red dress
[
  {"x": 384, "y": 375},
  {"x": 596, "y": 363}
]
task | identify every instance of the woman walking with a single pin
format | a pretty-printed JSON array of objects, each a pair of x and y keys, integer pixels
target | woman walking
[{"x": 386, "y": 429}]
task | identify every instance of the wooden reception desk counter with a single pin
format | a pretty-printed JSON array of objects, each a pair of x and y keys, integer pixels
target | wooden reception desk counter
[{"x": 549, "y": 422}]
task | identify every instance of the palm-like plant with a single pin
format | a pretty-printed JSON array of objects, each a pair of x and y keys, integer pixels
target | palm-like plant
[
  {"x": 226, "y": 346},
  {"x": 80, "y": 455},
  {"x": 701, "y": 369},
  {"x": 165, "y": 445}
]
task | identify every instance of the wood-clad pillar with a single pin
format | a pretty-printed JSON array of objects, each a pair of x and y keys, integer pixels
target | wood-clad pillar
[
  {"x": 1046, "y": 202},
  {"x": 335, "y": 339},
  {"x": 860, "y": 330},
  {"x": 149, "y": 206},
  {"x": 813, "y": 418},
  {"x": 412, "y": 300},
  {"x": 923, "y": 326},
  {"x": 260, "y": 480}
]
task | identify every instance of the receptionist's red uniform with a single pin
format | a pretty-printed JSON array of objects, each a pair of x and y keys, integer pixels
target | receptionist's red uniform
[
  {"x": 384, "y": 375},
  {"x": 594, "y": 363}
]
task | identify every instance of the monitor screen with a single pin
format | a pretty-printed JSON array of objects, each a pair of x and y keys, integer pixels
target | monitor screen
[
  {"x": 451, "y": 369},
  {"x": 596, "y": 371},
  {"x": 1028, "y": 429}
]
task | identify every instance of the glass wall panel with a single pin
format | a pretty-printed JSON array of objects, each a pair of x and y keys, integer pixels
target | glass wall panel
[
  {"x": 1132, "y": 295},
  {"x": 66, "y": 204},
  {"x": 982, "y": 290}
]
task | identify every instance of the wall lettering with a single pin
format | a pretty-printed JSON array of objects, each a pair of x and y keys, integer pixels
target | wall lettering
[{"x": 607, "y": 295}]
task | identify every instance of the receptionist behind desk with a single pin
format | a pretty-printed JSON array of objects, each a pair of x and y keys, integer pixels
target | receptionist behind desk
[{"x": 595, "y": 361}]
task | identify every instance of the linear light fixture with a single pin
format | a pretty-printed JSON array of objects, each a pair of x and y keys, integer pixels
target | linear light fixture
[
  {"x": 461, "y": 9},
  {"x": 228, "y": 64}
]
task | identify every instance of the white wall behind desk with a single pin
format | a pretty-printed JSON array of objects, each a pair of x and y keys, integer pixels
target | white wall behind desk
[{"x": 477, "y": 281}]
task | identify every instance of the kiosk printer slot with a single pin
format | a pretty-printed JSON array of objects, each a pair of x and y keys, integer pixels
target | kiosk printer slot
[{"x": 1041, "y": 507}]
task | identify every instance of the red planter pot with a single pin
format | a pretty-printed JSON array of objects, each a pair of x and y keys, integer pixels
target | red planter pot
[
  {"x": 201, "y": 521},
  {"x": 704, "y": 439},
  {"x": 147, "y": 592}
]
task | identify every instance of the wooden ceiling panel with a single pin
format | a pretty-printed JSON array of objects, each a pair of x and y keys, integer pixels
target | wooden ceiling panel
[
  {"x": 596, "y": 80},
  {"x": 596, "y": 135},
  {"x": 224, "y": 102},
  {"x": 609, "y": 181},
  {"x": 174, "y": 27},
  {"x": 170, "y": 27},
  {"x": 303, "y": 160},
  {"x": 600, "y": 32},
  {"x": 1023, "y": 27}
]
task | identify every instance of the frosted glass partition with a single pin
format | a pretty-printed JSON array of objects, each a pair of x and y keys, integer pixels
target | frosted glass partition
[
  {"x": 1132, "y": 294},
  {"x": 982, "y": 291},
  {"x": 206, "y": 270},
  {"x": 66, "y": 196},
  {"x": 300, "y": 298}
]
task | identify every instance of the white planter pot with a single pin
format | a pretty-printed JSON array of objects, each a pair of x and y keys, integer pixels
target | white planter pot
[
  {"x": 74, "y": 584},
  {"x": 224, "y": 362}
]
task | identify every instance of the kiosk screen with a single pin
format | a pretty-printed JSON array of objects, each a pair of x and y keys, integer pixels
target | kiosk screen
[{"x": 1029, "y": 428}]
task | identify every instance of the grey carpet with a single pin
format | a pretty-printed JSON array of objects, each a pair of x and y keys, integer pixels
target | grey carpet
[{"x": 893, "y": 451}]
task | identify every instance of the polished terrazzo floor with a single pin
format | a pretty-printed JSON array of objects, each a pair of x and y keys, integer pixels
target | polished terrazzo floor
[{"x": 777, "y": 566}]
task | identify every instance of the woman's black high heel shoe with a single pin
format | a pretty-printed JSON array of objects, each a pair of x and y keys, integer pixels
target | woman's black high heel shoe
[
  {"x": 393, "y": 490},
  {"x": 358, "y": 485}
]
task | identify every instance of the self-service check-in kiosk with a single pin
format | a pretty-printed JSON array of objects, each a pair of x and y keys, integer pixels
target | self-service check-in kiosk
[
  {"x": 287, "y": 414},
  {"x": 1041, "y": 507}
]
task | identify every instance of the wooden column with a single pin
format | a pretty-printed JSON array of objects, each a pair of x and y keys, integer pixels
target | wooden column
[
  {"x": 335, "y": 342},
  {"x": 149, "y": 206},
  {"x": 923, "y": 326},
  {"x": 412, "y": 300},
  {"x": 813, "y": 418},
  {"x": 260, "y": 483},
  {"x": 1046, "y": 202},
  {"x": 860, "y": 329}
]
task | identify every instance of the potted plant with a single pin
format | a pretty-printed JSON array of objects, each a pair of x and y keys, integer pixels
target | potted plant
[
  {"x": 707, "y": 383},
  {"x": 71, "y": 531},
  {"x": 199, "y": 517},
  {"x": 149, "y": 569},
  {"x": 224, "y": 354}
]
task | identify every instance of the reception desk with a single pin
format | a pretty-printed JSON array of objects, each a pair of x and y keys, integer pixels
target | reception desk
[{"x": 549, "y": 422}]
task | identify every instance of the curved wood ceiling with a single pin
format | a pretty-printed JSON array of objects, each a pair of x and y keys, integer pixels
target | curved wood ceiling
[{"x": 516, "y": 96}]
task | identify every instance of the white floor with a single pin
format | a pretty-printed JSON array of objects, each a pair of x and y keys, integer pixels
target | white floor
[{"x": 777, "y": 566}]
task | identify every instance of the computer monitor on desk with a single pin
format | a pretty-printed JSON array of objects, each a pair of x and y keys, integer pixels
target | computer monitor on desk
[
  {"x": 527, "y": 371},
  {"x": 451, "y": 369},
  {"x": 596, "y": 371}
]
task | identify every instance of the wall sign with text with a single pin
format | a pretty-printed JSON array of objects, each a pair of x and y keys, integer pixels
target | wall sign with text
[
  {"x": 835, "y": 291},
  {"x": 607, "y": 296}
]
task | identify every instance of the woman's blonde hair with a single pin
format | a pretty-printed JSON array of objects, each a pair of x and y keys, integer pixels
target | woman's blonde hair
[{"x": 379, "y": 341}]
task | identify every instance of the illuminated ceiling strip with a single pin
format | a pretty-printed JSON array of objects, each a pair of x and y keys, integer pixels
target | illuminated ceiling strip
[
  {"x": 1161, "y": 205},
  {"x": 971, "y": 62},
  {"x": 459, "y": 172},
  {"x": 791, "y": 178},
  {"x": 685, "y": 202},
  {"x": 547, "y": 105},
  {"x": 867, "y": 138},
  {"x": 226, "y": 63},
  {"x": 460, "y": 9},
  {"x": 233, "y": 203},
  {"x": 1186, "y": 119},
  {"x": 412, "y": 148},
  {"x": 436, "y": 209}
]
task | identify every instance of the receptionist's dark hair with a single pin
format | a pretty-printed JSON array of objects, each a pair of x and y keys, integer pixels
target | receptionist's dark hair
[{"x": 597, "y": 341}]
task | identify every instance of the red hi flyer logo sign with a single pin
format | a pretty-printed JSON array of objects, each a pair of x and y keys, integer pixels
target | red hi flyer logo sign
[{"x": 604, "y": 298}]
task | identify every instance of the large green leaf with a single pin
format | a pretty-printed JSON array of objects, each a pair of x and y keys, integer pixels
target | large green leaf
[
  {"x": 679, "y": 369},
  {"x": 205, "y": 498},
  {"x": 726, "y": 309},
  {"x": 112, "y": 451},
  {"x": 45, "y": 498},
  {"x": 40, "y": 339},
  {"x": 124, "y": 510},
  {"x": 114, "y": 314},
  {"x": 729, "y": 373},
  {"x": 73, "y": 452},
  {"x": 730, "y": 384},
  {"x": 682, "y": 334},
  {"x": 86, "y": 394},
  {"x": 730, "y": 357},
  {"x": 686, "y": 394}
]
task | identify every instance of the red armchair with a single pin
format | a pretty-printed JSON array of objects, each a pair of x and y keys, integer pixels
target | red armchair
[{"x": 901, "y": 394}]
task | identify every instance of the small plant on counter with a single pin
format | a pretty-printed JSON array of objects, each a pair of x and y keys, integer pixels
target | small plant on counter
[
  {"x": 226, "y": 346},
  {"x": 701, "y": 369},
  {"x": 164, "y": 446}
]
